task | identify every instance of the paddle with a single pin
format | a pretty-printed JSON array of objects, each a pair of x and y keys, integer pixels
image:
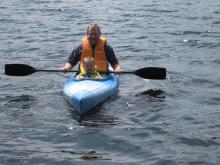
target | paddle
[
  {"x": 24, "y": 70},
  {"x": 154, "y": 73}
]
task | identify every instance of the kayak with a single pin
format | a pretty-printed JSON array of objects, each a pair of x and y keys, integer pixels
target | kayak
[{"x": 85, "y": 94}]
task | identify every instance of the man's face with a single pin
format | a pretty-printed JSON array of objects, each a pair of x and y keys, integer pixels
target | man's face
[{"x": 93, "y": 36}]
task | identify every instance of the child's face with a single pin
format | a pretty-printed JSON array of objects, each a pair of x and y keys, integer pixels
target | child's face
[{"x": 89, "y": 67}]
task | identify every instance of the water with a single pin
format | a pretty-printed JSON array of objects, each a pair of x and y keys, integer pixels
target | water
[{"x": 172, "y": 121}]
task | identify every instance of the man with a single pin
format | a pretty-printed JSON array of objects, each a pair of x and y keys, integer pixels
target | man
[{"x": 95, "y": 46}]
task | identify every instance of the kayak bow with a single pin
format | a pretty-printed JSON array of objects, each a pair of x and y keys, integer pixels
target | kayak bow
[{"x": 83, "y": 95}]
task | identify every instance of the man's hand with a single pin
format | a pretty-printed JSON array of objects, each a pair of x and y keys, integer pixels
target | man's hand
[
  {"x": 117, "y": 68},
  {"x": 66, "y": 68}
]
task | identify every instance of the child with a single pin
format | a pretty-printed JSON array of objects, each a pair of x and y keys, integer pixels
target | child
[{"x": 88, "y": 69}]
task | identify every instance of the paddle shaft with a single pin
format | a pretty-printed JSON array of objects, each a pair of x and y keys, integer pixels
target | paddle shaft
[
  {"x": 48, "y": 70},
  {"x": 42, "y": 70},
  {"x": 126, "y": 72}
]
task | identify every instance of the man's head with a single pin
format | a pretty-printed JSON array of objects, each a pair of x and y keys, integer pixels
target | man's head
[
  {"x": 93, "y": 34},
  {"x": 89, "y": 64}
]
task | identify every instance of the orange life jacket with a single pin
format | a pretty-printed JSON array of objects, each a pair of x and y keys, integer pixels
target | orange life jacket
[{"x": 98, "y": 54}]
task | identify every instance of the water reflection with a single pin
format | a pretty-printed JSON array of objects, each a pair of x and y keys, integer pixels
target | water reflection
[
  {"x": 22, "y": 101},
  {"x": 19, "y": 105},
  {"x": 94, "y": 118},
  {"x": 156, "y": 93},
  {"x": 84, "y": 155}
]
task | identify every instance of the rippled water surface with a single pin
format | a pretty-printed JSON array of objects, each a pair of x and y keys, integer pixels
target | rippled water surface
[{"x": 172, "y": 121}]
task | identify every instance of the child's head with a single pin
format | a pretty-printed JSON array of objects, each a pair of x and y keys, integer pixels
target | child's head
[{"x": 89, "y": 64}]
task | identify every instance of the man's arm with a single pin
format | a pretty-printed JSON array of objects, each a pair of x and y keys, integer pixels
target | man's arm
[
  {"x": 73, "y": 59},
  {"x": 110, "y": 55}
]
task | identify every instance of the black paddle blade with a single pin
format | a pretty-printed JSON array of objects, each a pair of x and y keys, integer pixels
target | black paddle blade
[
  {"x": 18, "y": 69},
  {"x": 151, "y": 73}
]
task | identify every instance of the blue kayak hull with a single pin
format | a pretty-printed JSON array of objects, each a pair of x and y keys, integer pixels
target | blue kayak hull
[{"x": 83, "y": 95}]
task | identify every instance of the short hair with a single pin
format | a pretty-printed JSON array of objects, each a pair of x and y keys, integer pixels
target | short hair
[
  {"x": 93, "y": 25},
  {"x": 88, "y": 60}
]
